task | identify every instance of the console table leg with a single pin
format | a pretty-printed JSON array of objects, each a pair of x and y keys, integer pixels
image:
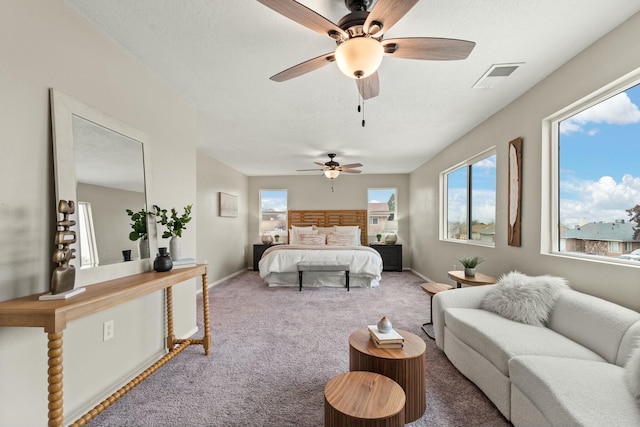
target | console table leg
[
  {"x": 206, "y": 340},
  {"x": 55, "y": 378},
  {"x": 170, "y": 334}
]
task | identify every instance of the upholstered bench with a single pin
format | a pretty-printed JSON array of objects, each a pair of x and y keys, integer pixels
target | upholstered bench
[{"x": 320, "y": 266}]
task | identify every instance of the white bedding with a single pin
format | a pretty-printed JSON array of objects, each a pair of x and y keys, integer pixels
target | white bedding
[{"x": 279, "y": 265}]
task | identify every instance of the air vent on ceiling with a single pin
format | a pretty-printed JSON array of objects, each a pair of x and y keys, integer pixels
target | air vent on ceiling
[{"x": 496, "y": 74}]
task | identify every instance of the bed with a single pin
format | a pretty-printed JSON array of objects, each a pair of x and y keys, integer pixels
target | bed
[{"x": 328, "y": 237}]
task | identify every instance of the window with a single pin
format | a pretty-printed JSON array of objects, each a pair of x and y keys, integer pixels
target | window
[
  {"x": 469, "y": 200},
  {"x": 87, "y": 236},
  {"x": 596, "y": 182},
  {"x": 273, "y": 212},
  {"x": 382, "y": 209}
]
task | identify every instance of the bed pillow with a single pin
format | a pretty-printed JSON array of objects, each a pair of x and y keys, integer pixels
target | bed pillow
[
  {"x": 351, "y": 230},
  {"x": 632, "y": 373},
  {"x": 523, "y": 298},
  {"x": 324, "y": 230},
  {"x": 339, "y": 239},
  {"x": 294, "y": 238},
  {"x": 316, "y": 239}
]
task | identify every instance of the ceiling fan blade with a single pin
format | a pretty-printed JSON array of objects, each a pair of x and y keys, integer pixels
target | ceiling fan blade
[
  {"x": 320, "y": 164},
  {"x": 351, "y": 171},
  {"x": 308, "y": 170},
  {"x": 351, "y": 165},
  {"x": 431, "y": 48},
  {"x": 369, "y": 86},
  {"x": 304, "y": 16},
  {"x": 387, "y": 13},
  {"x": 304, "y": 67}
]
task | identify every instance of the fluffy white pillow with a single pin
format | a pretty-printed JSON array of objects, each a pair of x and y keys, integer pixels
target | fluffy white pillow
[
  {"x": 338, "y": 239},
  {"x": 324, "y": 230},
  {"x": 632, "y": 373},
  {"x": 351, "y": 230},
  {"x": 313, "y": 239},
  {"x": 523, "y": 298}
]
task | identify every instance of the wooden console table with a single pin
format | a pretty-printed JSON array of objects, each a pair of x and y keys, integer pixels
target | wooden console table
[{"x": 54, "y": 315}]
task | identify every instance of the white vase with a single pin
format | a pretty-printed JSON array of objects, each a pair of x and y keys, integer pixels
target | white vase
[
  {"x": 175, "y": 248},
  {"x": 143, "y": 249}
]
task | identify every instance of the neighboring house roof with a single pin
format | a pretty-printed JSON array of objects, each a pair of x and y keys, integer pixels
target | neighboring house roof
[
  {"x": 486, "y": 229},
  {"x": 376, "y": 207},
  {"x": 606, "y": 231}
]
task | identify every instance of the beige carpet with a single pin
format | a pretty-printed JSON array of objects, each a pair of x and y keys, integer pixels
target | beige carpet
[{"x": 274, "y": 349}]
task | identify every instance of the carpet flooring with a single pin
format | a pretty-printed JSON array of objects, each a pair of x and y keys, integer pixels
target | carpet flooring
[{"x": 274, "y": 349}]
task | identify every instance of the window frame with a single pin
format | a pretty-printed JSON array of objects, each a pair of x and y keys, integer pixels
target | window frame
[
  {"x": 444, "y": 211},
  {"x": 393, "y": 214},
  {"x": 550, "y": 177},
  {"x": 261, "y": 212}
]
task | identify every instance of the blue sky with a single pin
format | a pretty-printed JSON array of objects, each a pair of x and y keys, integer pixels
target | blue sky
[
  {"x": 600, "y": 160},
  {"x": 484, "y": 192}
]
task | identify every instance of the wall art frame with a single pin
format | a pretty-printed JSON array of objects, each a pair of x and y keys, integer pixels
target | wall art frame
[
  {"x": 515, "y": 193},
  {"x": 228, "y": 205}
]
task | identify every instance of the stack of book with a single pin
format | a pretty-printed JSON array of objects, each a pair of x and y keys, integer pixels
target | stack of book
[
  {"x": 390, "y": 339},
  {"x": 184, "y": 262}
]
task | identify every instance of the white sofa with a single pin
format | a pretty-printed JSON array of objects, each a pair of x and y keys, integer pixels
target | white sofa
[{"x": 569, "y": 373}]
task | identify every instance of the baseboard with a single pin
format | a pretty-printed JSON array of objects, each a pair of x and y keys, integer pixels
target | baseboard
[
  {"x": 217, "y": 282},
  {"x": 422, "y": 276}
]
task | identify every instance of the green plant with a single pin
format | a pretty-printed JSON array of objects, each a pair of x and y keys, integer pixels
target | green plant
[
  {"x": 378, "y": 236},
  {"x": 174, "y": 223},
  {"x": 139, "y": 224},
  {"x": 470, "y": 262}
]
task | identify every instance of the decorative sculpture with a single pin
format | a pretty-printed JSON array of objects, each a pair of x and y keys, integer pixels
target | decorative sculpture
[{"x": 64, "y": 275}]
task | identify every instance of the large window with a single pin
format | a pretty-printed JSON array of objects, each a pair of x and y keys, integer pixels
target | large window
[
  {"x": 383, "y": 211},
  {"x": 273, "y": 212},
  {"x": 469, "y": 200},
  {"x": 597, "y": 176}
]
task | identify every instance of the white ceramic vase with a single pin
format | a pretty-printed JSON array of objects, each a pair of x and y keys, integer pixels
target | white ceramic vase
[
  {"x": 143, "y": 249},
  {"x": 175, "y": 248}
]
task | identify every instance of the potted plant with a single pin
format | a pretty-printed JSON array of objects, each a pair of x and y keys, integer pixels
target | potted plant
[
  {"x": 139, "y": 227},
  {"x": 277, "y": 237},
  {"x": 174, "y": 226},
  {"x": 470, "y": 264},
  {"x": 378, "y": 237}
]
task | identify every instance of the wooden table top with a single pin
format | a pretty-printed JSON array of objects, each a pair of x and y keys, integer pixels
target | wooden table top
[
  {"x": 477, "y": 280},
  {"x": 365, "y": 395},
  {"x": 414, "y": 346}
]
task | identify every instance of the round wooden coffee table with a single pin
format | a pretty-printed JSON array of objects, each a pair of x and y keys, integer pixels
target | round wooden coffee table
[
  {"x": 363, "y": 399},
  {"x": 406, "y": 366}
]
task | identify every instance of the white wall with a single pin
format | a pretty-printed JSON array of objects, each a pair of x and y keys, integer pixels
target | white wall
[
  {"x": 222, "y": 241},
  {"x": 45, "y": 44},
  {"x": 615, "y": 55},
  {"x": 314, "y": 192}
]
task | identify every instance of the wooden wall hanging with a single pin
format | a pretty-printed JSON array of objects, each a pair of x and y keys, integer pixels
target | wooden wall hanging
[{"x": 515, "y": 191}]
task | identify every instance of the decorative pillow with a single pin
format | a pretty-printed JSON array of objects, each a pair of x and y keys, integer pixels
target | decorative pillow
[
  {"x": 324, "y": 230},
  {"x": 523, "y": 298},
  {"x": 337, "y": 239},
  {"x": 632, "y": 373},
  {"x": 313, "y": 239},
  {"x": 351, "y": 230},
  {"x": 297, "y": 231}
]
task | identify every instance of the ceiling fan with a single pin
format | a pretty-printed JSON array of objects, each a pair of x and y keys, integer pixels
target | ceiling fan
[
  {"x": 332, "y": 169},
  {"x": 359, "y": 39}
]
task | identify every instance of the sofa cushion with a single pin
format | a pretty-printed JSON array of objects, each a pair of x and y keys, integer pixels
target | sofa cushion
[
  {"x": 572, "y": 392},
  {"x": 632, "y": 374},
  {"x": 525, "y": 299},
  {"x": 592, "y": 322},
  {"x": 499, "y": 339}
]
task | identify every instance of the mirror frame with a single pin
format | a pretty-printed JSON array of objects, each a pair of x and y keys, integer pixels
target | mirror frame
[{"x": 63, "y": 108}]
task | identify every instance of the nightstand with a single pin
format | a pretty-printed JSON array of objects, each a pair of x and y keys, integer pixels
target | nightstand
[
  {"x": 258, "y": 250},
  {"x": 391, "y": 256}
]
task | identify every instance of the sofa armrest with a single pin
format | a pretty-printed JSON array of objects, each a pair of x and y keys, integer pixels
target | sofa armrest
[{"x": 469, "y": 297}]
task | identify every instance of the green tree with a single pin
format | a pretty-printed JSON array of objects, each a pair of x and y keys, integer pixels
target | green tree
[
  {"x": 634, "y": 213},
  {"x": 392, "y": 202}
]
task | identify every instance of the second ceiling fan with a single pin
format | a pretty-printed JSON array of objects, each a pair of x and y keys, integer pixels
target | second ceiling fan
[{"x": 359, "y": 39}]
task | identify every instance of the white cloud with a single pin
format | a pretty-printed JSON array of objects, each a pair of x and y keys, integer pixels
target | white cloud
[
  {"x": 601, "y": 200},
  {"x": 617, "y": 110}
]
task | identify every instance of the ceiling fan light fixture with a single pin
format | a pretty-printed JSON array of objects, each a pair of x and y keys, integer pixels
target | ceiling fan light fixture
[
  {"x": 332, "y": 173},
  {"x": 359, "y": 57}
]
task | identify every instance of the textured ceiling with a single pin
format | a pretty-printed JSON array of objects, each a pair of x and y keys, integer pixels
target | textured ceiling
[{"x": 220, "y": 54}]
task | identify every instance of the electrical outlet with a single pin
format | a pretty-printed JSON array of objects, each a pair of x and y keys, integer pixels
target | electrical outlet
[{"x": 107, "y": 330}]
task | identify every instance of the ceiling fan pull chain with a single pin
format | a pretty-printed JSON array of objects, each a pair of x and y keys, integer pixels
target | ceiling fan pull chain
[{"x": 362, "y": 112}]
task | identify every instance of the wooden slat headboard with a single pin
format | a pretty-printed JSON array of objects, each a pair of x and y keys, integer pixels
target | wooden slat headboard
[{"x": 329, "y": 218}]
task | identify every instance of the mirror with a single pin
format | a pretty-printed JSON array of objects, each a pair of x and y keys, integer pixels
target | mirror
[{"x": 101, "y": 164}]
